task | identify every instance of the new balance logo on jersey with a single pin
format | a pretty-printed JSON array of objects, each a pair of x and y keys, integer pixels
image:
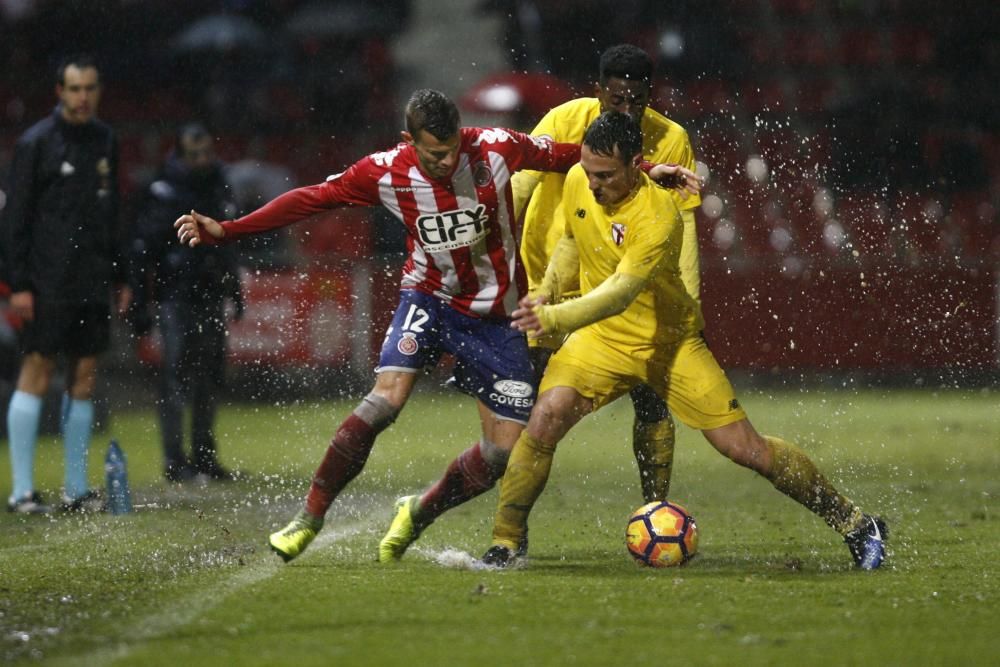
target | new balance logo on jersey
[
  {"x": 452, "y": 229},
  {"x": 580, "y": 213}
]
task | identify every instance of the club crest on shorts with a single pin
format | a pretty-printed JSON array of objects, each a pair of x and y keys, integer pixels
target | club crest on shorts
[
  {"x": 617, "y": 233},
  {"x": 481, "y": 174},
  {"x": 408, "y": 345}
]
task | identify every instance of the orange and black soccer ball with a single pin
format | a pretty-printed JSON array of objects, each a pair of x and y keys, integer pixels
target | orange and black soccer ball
[{"x": 661, "y": 534}]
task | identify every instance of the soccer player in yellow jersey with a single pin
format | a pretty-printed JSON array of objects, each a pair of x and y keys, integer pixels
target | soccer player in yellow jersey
[
  {"x": 624, "y": 84},
  {"x": 636, "y": 323}
]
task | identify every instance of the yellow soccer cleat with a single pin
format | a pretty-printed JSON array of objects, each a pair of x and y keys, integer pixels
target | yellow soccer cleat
[
  {"x": 403, "y": 531},
  {"x": 293, "y": 539}
]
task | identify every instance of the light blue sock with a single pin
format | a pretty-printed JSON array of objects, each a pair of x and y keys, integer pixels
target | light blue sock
[
  {"x": 76, "y": 435},
  {"x": 23, "y": 415},
  {"x": 63, "y": 412}
]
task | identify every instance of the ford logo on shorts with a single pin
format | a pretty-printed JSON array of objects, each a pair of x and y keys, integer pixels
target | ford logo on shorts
[{"x": 513, "y": 388}]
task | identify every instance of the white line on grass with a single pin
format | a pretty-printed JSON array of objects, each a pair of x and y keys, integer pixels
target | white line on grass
[
  {"x": 187, "y": 610},
  {"x": 18, "y": 550}
]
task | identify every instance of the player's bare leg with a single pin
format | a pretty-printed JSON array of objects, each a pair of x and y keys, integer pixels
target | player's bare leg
[
  {"x": 793, "y": 473},
  {"x": 344, "y": 459}
]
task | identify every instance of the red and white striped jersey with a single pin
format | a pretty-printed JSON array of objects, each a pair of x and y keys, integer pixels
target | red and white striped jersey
[{"x": 463, "y": 236}]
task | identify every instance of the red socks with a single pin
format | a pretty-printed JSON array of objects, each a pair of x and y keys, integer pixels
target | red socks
[
  {"x": 344, "y": 459},
  {"x": 466, "y": 477}
]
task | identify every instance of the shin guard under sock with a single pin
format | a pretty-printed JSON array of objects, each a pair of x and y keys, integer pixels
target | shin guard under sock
[
  {"x": 525, "y": 478},
  {"x": 795, "y": 475}
]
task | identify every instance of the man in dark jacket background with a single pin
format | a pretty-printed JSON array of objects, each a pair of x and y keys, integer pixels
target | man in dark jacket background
[
  {"x": 63, "y": 257},
  {"x": 188, "y": 287}
]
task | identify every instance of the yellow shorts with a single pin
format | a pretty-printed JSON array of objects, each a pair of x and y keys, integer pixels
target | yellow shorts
[
  {"x": 548, "y": 342},
  {"x": 686, "y": 376}
]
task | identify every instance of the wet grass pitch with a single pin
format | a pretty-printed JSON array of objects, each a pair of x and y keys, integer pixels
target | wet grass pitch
[{"x": 187, "y": 578}]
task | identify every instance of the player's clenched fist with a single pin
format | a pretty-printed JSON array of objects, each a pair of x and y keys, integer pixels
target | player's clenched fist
[
  {"x": 525, "y": 318},
  {"x": 194, "y": 229}
]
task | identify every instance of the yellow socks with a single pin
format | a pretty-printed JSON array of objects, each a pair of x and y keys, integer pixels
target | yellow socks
[
  {"x": 795, "y": 475},
  {"x": 653, "y": 444},
  {"x": 525, "y": 477}
]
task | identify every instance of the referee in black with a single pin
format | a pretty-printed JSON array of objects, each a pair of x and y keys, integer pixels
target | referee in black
[{"x": 64, "y": 258}]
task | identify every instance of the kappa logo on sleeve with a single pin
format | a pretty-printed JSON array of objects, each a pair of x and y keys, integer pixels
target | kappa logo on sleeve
[
  {"x": 543, "y": 141},
  {"x": 385, "y": 158},
  {"x": 495, "y": 135}
]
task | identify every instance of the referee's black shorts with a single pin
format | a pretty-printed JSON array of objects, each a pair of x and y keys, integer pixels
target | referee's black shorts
[{"x": 67, "y": 327}]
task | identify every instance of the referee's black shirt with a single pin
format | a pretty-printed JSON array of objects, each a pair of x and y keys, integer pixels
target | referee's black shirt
[{"x": 61, "y": 220}]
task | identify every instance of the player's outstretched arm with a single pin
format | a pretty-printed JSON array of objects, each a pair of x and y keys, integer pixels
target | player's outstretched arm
[
  {"x": 194, "y": 229},
  {"x": 563, "y": 272},
  {"x": 523, "y": 184},
  {"x": 609, "y": 298},
  {"x": 677, "y": 177}
]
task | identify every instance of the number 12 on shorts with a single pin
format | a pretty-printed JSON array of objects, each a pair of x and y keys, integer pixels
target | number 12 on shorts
[{"x": 416, "y": 318}]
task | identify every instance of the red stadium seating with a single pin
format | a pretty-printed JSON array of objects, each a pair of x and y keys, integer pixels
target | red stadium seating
[
  {"x": 865, "y": 216},
  {"x": 920, "y": 219},
  {"x": 806, "y": 46},
  {"x": 913, "y": 45},
  {"x": 793, "y": 9},
  {"x": 709, "y": 96},
  {"x": 861, "y": 47},
  {"x": 977, "y": 219},
  {"x": 763, "y": 96}
]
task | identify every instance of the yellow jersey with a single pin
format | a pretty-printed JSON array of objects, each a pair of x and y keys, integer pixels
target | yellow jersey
[
  {"x": 640, "y": 237},
  {"x": 663, "y": 141}
]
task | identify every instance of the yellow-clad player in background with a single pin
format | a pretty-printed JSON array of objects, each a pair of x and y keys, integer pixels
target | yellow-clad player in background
[
  {"x": 635, "y": 323},
  {"x": 624, "y": 84}
]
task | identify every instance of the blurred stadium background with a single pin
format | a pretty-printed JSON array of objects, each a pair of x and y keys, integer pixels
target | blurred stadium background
[{"x": 849, "y": 227}]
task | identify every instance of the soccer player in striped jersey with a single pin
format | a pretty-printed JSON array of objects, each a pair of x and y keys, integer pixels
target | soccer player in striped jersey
[
  {"x": 625, "y": 78},
  {"x": 636, "y": 323},
  {"x": 450, "y": 187}
]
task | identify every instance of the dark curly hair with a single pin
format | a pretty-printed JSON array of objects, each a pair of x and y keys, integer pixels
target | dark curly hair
[{"x": 626, "y": 61}]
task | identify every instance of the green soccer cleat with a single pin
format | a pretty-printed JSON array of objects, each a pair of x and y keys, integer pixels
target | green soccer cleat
[
  {"x": 293, "y": 539},
  {"x": 403, "y": 531}
]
